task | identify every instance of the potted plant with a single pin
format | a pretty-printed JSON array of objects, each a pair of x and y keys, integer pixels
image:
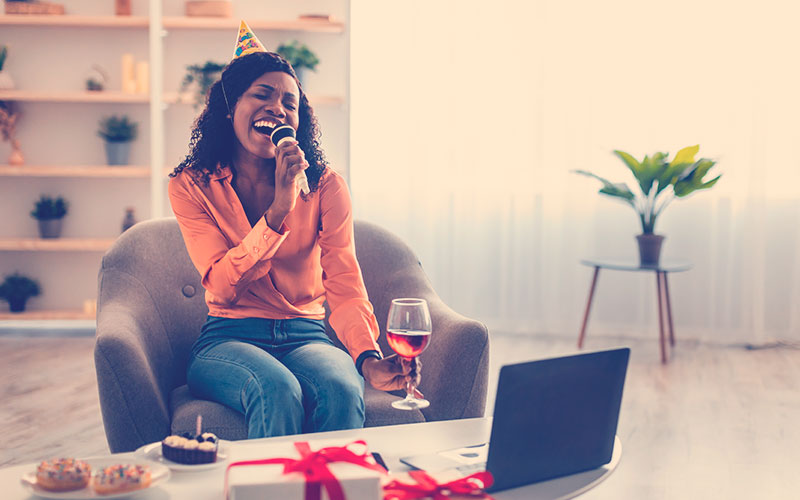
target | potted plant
[
  {"x": 16, "y": 289},
  {"x": 300, "y": 57},
  {"x": 118, "y": 132},
  {"x": 50, "y": 213},
  {"x": 6, "y": 82},
  {"x": 202, "y": 76},
  {"x": 660, "y": 181},
  {"x": 9, "y": 116}
]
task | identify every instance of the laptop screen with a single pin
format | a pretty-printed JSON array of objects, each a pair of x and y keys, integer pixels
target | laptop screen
[{"x": 555, "y": 417}]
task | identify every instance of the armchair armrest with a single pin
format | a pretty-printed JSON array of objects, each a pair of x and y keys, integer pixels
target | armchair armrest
[{"x": 133, "y": 396}]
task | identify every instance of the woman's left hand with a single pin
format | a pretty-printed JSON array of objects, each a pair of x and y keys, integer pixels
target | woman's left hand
[{"x": 391, "y": 373}]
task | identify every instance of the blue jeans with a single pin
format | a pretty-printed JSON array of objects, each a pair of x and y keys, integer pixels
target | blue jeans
[{"x": 285, "y": 376}]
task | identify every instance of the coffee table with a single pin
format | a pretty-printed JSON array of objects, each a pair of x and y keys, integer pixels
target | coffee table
[{"x": 392, "y": 442}]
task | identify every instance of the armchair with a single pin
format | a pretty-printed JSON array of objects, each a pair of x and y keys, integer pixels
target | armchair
[{"x": 151, "y": 309}]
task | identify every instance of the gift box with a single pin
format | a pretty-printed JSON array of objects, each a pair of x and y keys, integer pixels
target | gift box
[
  {"x": 345, "y": 472},
  {"x": 419, "y": 485}
]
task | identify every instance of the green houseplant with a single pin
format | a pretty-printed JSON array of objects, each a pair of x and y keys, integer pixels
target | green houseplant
[
  {"x": 6, "y": 82},
  {"x": 118, "y": 133},
  {"x": 16, "y": 289},
  {"x": 299, "y": 56},
  {"x": 50, "y": 213},
  {"x": 660, "y": 181},
  {"x": 203, "y": 77}
]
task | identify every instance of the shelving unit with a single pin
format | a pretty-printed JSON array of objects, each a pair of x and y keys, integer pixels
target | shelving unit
[{"x": 152, "y": 168}]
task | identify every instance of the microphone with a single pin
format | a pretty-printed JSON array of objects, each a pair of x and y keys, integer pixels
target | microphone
[{"x": 287, "y": 133}]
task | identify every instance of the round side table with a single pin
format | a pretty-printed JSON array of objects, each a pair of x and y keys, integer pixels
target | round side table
[{"x": 662, "y": 269}]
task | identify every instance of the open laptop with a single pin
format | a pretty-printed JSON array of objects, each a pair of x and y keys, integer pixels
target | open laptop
[{"x": 552, "y": 417}]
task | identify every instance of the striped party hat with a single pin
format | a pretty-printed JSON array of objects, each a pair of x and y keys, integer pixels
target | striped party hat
[{"x": 247, "y": 42}]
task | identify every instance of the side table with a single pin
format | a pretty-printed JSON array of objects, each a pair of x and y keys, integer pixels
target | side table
[{"x": 661, "y": 269}]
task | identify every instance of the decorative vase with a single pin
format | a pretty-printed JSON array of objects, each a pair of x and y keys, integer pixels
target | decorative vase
[
  {"x": 6, "y": 82},
  {"x": 17, "y": 304},
  {"x": 129, "y": 220},
  {"x": 649, "y": 248},
  {"x": 117, "y": 153},
  {"x": 50, "y": 228},
  {"x": 122, "y": 7},
  {"x": 16, "y": 157}
]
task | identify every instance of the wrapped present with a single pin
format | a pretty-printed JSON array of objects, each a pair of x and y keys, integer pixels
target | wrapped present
[
  {"x": 332, "y": 473},
  {"x": 424, "y": 486}
]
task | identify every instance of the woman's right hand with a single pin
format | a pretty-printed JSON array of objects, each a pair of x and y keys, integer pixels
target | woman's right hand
[
  {"x": 289, "y": 162},
  {"x": 392, "y": 373}
]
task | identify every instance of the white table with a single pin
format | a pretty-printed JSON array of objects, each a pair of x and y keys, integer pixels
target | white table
[{"x": 392, "y": 442}]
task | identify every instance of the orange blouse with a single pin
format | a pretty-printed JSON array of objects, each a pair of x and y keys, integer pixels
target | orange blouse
[{"x": 252, "y": 271}]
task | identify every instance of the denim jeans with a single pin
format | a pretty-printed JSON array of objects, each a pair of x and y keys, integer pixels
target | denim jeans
[{"x": 285, "y": 376}]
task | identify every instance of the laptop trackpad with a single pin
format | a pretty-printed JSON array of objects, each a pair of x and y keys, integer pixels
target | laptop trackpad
[{"x": 470, "y": 457}]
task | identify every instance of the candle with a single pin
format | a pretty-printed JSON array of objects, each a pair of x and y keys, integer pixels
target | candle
[
  {"x": 199, "y": 424},
  {"x": 128, "y": 78},
  {"x": 142, "y": 77}
]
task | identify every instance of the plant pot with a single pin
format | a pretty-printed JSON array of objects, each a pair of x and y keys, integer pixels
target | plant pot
[
  {"x": 17, "y": 304},
  {"x": 118, "y": 153},
  {"x": 50, "y": 228},
  {"x": 6, "y": 82},
  {"x": 302, "y": 75},
  {"x": 649, "y": 248}
]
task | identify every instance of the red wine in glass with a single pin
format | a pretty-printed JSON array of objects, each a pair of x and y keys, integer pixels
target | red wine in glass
[
  {"x": 408, "y": 344},
  {"x": 409, "y": 332}
]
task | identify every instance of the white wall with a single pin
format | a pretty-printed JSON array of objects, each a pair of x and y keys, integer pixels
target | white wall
[{"x": 499, "y": 220}]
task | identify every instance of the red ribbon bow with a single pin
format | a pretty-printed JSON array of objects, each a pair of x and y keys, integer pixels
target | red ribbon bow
[
  {"x": 314, "y": 466},
  {"x": 471, "y": 486}
]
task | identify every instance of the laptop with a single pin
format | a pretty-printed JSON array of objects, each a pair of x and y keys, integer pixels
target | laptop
[{"x": 552, "y": 417}]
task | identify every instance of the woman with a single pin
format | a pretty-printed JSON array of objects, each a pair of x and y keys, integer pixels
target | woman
[{"x": 269, "y": 257}]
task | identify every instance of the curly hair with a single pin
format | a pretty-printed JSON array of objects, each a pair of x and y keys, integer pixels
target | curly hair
[{"x": 213, "y": 137}]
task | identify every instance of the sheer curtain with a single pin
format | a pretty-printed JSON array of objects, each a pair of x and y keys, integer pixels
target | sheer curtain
[{"x": 468, "y": 117}]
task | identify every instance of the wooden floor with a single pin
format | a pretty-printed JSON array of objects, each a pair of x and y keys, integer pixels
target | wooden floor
[{"x": 717, "y": 422}]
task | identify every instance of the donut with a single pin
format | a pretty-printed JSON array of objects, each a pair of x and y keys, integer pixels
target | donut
[
  {"x": 63, "y": 474},
  {"x": 120, "y": 478}
]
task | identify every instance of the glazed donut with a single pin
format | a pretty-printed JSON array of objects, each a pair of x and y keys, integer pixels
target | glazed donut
[
  {"x": 120, "y": 478},
  {"x": 63, "y": 474}
]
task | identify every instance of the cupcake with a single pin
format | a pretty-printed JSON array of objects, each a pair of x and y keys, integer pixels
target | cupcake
[{"x": 200, "y": 448}]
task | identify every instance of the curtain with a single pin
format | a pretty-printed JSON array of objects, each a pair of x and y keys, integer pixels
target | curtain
[{"x": 468, "y": 118}]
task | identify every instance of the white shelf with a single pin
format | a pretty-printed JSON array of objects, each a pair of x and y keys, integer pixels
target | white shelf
[
  {"x": 115, "y": 96},
  {"x": 56, "y": 244},
  {"x": 139, "y": 22},
  {"x": 105, "y": 96},
  {"x": 119, "y": 171},
  {"x": 46, "y": 315}
]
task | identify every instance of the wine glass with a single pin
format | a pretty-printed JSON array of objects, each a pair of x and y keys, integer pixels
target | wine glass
[{"x": 409, "y": 332}]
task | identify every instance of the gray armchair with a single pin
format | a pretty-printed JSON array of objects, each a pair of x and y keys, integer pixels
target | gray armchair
[{"x": 151, "y": 309}]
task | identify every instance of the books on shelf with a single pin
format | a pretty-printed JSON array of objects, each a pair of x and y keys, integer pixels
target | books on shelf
[{"x": 34, "y": 8}]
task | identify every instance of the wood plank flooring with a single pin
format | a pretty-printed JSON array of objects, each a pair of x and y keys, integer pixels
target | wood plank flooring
[{"x": 717, "y": 422}]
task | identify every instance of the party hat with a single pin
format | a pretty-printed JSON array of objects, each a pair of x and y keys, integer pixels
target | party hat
[{"x": 247, "y": 42}]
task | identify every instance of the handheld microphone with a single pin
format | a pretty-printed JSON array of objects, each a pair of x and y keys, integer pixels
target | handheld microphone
[{"x": 287, "y": 133}]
